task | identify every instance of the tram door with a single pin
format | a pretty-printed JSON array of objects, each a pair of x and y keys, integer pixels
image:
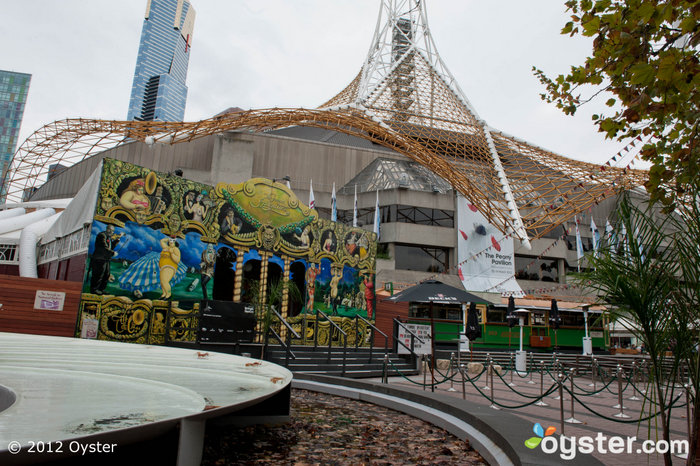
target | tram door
[{"x": 539, "y": 337}]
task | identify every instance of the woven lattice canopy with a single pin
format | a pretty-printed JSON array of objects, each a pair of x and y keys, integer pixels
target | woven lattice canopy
[{"x": 404, "y": 98}]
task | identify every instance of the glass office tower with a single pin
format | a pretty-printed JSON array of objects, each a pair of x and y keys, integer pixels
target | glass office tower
[
  {"x": 13, "y": 95},
  {"x": 159, "y": 91}
]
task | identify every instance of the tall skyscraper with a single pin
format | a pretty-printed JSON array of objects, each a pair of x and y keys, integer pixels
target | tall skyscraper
[
  {"x": 13, "y": 95},
  {"x": 159, "y": 91}
]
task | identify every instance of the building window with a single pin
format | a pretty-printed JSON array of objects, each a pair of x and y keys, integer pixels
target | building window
[
  {"x": 529, "y": 268},
  {"x": 422, "y": 258},
  {"x": 8, "y": 252}
]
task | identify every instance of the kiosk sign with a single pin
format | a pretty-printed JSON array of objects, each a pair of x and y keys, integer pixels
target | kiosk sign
[
  {"x": 49, "y": 300},
  {"x": 423, "y": 332}
]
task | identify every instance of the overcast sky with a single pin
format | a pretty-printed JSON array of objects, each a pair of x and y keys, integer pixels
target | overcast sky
[{"x": 296, "y": 53}]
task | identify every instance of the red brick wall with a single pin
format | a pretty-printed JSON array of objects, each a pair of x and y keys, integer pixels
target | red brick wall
[{"x": 18, "y": 315}]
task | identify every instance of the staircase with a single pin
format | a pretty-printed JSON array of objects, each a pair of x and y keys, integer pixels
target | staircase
[{"x": 357, "y": 363}]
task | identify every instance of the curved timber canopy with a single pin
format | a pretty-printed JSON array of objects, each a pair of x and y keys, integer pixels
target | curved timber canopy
[{"x": 404, "y": 98}]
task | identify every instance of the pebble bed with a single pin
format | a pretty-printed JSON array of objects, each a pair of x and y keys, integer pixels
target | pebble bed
[{"x": 331, "y": 430}]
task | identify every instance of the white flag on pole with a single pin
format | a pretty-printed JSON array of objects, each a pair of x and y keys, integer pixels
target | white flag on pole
[
  {"x": 334, "y": 207},
  {"x": 354, "y": 210},
  {"x": 376, "y": 216},
  {"x": 596, "y": 237},
  {"x": 312, "y": 200}
]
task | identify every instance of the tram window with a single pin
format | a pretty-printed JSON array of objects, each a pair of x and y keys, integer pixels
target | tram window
[
  {"x": 496, "y": 315},
  {"x": 454, "y": 314},
  {"x": 537, "y": 318},
  {"x": 571, "y": 319}
]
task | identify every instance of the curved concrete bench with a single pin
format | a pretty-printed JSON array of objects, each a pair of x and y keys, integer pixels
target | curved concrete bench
[{"x": 498, "y": 436}]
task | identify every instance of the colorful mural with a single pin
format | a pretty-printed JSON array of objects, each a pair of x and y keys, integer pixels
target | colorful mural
[{"x": 163, "y": 247}]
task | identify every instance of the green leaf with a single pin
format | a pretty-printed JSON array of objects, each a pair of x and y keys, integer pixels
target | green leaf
[
  {"x": 642, "y": 74},
  {"x": 533, "y": 442},
  {"x": 610, "y": 102}
]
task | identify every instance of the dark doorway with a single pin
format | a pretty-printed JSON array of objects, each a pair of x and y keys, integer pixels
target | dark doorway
[
  {"x": 224, "y": 275},
  {"x": 297, "y": 276},
  {"x": 251, "y": 280}
]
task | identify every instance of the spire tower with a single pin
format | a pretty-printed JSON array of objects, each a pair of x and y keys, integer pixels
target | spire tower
[{"x": 405, "y": 84}]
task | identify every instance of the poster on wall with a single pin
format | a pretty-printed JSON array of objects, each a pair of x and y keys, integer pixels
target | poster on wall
[
  {"x": 486, "y": 256},
  {"x": 423, "y": 332}
]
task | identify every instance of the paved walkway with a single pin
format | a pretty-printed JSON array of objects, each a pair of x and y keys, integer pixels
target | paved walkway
[{"x": 591, "y": 424}]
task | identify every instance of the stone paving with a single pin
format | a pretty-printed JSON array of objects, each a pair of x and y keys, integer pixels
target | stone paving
[{"x": 591, "y": 424}]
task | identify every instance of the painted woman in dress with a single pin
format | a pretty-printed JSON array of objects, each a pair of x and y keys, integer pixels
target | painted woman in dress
[
  {"x": 168, "y": 263},
  {"x": 134, "y": 197}
]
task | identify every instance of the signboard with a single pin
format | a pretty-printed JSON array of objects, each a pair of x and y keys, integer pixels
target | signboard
[
  {"x": 49, "y": 300},
  {"x": 226, "y": 322},
  {"x": 89, "y": 328},
  {"x": 486, "y": 256},
  {"x": 422, "y": 331}
]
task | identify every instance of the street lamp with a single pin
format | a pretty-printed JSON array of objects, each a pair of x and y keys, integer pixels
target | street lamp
[{"x": 521, "y": 356}]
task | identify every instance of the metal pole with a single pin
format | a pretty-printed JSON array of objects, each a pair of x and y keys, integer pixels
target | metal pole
[
  {"x": 385, "y": 372},
  {"x": 572, "y": 419},
  {"x": 511, "y": 371},
  {"x": 452, "y": 373},
  {"x": 621, "y": 414},
  {"x": 635, "y": 378},
  {"x": 425, "y": 372},
  {"x": 488, "y": 371},
  {"x": 493, "y": 392},
  {"x": 541, "y": 400},
  {"x": 464, "y": 385},
  {"x": 560, "y": 376}
]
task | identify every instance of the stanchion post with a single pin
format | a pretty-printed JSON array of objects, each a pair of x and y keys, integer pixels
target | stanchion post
[
  {"x": 621, "y": 414},
  {"x": 452, "y": 373},
  {"x": 385, "y": 371},
  {"x": 493, "y": 389},
  {"x": 531, "y": 368},
  {"x": 560, "y": 376},
  {"x": 464, "y": 382},
  {"x": 634, "y": 377},
  {"x": 687, "y": 412},
  {"x": 541, "y": 400},
  {"x": 511, "y": 371},
  {"x": 425, "y": 373},
  {"x": 572, "y": 419},
  {"x": 488, "y": 371}
]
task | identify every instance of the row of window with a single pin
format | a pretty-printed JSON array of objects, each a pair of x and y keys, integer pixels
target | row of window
[{"x": 396, "y": 214}]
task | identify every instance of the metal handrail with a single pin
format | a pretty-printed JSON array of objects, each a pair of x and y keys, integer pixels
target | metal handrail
[
  {"x": 287, "y": 346},
  {"x": 374, "y": 329},
  {"x": 330, "y": 338},
  {"x": 286, "y": 324}
]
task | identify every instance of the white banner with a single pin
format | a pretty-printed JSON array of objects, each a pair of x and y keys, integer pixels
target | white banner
[
  {"x": 486, "y": 257},
  {"x": 423, "y": 332}
]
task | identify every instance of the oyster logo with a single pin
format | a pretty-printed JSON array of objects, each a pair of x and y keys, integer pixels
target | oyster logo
[{"x": 534, "y": 442}]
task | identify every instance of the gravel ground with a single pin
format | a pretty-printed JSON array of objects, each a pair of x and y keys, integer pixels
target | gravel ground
[{"x": 331, "y": 430}]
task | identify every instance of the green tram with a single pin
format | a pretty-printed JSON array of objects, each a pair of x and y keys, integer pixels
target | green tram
[{"x": 538, "y": 335}]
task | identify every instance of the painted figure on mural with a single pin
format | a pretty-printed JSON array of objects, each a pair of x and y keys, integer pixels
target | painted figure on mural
[
  {"x": 303, "y": 236},
  {"x": 207, "y": 268},
  {"x": 351, "y": 243},
  {"x": 369, "y": 294},
  {"x": 158, "y": 204},
  {"x": 134, "y": 197},
  {"x": 168, "y": 263},
  {"x": 100, "y": 260},
  {"x": 328, "y": 241},
  {"x": 195, "y": 205},
  {"x": 337, "y": 274},
  {"x": 230, "y": 224},
  {"x": 311, "y": 274}
]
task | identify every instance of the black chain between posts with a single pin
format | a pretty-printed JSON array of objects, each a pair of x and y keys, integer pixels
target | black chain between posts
[{"x": 549, "y": 391}]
